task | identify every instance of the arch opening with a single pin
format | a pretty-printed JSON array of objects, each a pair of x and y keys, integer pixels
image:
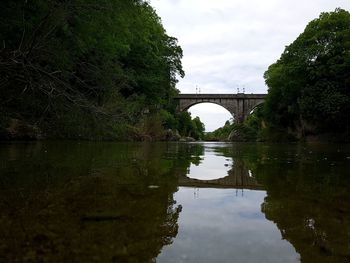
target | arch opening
[{"x": 211, "y": 114}]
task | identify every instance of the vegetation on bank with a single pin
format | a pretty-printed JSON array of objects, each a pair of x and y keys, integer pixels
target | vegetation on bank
[
  {"x": 250, "y": 130},
  {"x": 86, "y": 69},
  {"x": 309, "y": 88}
]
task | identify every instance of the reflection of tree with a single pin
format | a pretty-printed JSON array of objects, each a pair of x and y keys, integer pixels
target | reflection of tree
[
  {"x": 307, "y": 195},
  {"x": 309, "y": 202},
  {"x": 195, "y": 151},
  {"x": 89, "y": 203},
  {"x": 187, "y": 153}
]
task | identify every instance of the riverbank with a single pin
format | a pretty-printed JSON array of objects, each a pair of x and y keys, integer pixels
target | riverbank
[{"x": 18, "y": 130}]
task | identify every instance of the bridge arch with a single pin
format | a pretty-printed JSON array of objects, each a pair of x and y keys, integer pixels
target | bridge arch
[
  {"x": 212, "y": 115},
  {"x": 239, "y": 105},
  {"x": 187, "y": 107}
]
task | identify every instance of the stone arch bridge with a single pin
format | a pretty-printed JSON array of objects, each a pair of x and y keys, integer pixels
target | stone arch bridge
[{"x": 239, "y": 105}]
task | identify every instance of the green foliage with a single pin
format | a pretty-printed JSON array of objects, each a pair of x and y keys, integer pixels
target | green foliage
[
  {"x": 198, "y": 128},
  {"x": 309, "y": 85},
  {"x": 189, "y": 127},
  {"x": 76, "y": 66},
  {"x": 220, "y": 134},
  {"x": 250, "y": 130},
  {"x": 169, "y": 120}
]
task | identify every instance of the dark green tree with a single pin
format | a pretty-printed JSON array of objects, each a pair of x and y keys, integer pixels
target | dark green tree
[
  {"x": 83, "y": 67},
  {"x": 198, "y": 128},
  {"x": 190, "y": 127},
  {"x": 309, "y": 85}
]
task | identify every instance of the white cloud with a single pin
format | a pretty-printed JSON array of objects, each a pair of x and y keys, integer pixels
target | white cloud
[
  {"x": 230, "y": 43},
  {"x": 237, "y": 230}
]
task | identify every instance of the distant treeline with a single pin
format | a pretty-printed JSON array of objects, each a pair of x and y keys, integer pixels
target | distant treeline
[
  {"x": 309, "y": 88},
  {"x": 86, "y": 69}
]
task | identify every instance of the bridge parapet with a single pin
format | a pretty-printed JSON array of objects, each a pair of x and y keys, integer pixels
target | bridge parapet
[{"x": 220, "y": 96}]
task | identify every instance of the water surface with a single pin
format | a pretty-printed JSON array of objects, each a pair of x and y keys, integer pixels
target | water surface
[{"x": 174, "y": 202}]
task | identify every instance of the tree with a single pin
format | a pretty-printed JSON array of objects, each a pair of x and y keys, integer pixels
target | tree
[
  {"x": 75, "y": 67},
  {"x": 190, "y": 127},
  {"x": 198, "y": 128},
  {"x": 309, "y": 84}
]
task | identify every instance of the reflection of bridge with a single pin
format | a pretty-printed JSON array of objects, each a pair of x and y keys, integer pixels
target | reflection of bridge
[
  {"x": 239, "y": 105},
  {"x": 238, "y": 178}
]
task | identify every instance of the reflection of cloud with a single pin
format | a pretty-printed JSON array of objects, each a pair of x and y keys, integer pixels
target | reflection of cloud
[
  {"x": 212, "y": 167},
  {"x": 251, "y": 215},
  {"x": 218, "y": 226},
  {"x": 230, "y": 43}
]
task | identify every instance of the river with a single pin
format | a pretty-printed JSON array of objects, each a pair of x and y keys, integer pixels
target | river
[{"x": 174, "y": 202}]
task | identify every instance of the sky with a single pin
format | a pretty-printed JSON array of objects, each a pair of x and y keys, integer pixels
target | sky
[{"x": 229, "y": 44}]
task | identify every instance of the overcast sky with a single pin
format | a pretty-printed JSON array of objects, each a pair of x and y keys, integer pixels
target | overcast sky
[{"x": 229, "y": 44}]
